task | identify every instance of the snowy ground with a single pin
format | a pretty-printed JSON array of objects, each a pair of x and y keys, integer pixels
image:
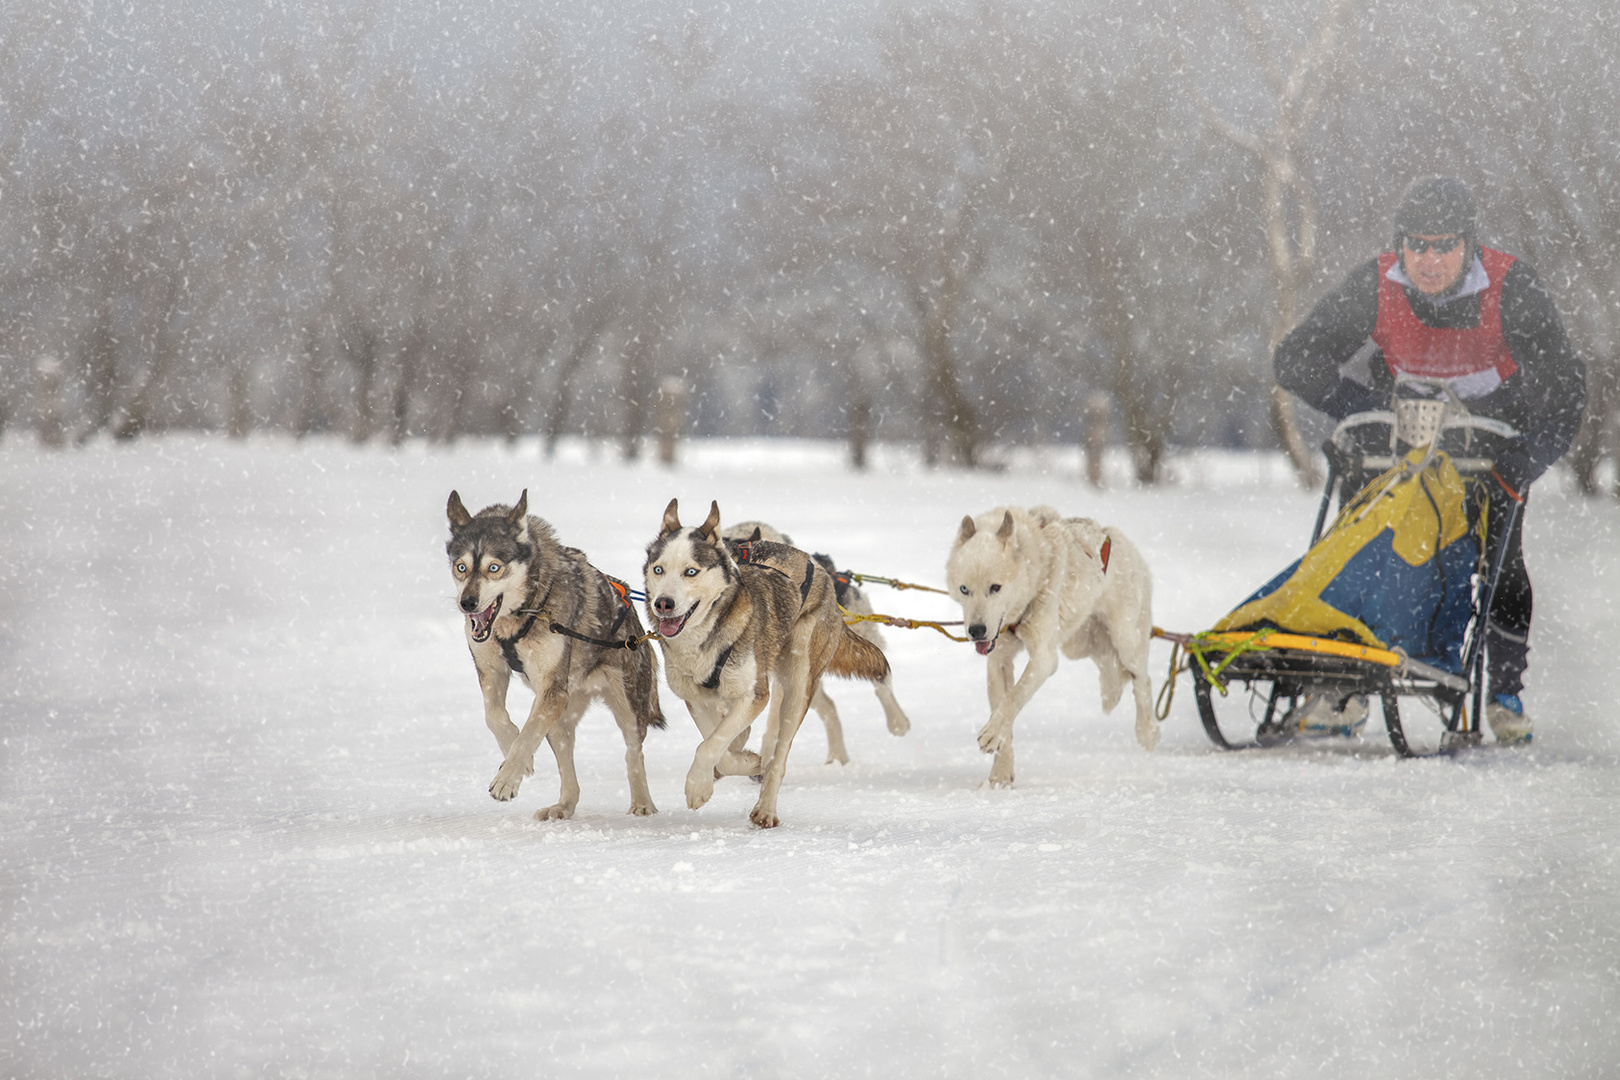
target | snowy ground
[{"x": 244, "y": 828}]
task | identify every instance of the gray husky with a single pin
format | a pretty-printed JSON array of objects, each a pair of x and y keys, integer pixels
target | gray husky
[
  {"x": 738, "y": 636},
  {"x": 518, "y": 584},
  {"x": 743, "y": 539}
]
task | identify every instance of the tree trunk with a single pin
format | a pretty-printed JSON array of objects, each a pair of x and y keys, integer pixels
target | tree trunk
[
  {"x": 633, "y": 395},
  {"x": 100, "y": 376},
  {"x": 562, "y": 390},
  {"x": 239, "y": 420},
  {"x": 953, "y": 416},
  {"x": 860, "y": 427}
]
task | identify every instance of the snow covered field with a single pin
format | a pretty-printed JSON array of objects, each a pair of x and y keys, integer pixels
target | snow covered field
[{"x": 244, "y": 828}]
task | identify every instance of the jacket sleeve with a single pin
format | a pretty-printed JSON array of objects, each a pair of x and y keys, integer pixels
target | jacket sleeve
[
  {"x": 1554, "y": 389},
  {"x": 1308, "y": 360}
]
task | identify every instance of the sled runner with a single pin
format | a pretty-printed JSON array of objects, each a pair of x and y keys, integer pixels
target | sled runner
[{"x": 1387, "y": 603}]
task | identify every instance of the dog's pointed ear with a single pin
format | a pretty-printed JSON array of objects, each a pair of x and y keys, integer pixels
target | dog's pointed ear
[
  {"x": 458, "y": 512},
  {"x": 965, "y": 533},
  {"x": 756, "y": 537},
  {"x": 711, "y": 524},
  {"x": 520, "y": 512},
  {"x": 672, "y": 518},
  {"x": 1005, "y": 533}
]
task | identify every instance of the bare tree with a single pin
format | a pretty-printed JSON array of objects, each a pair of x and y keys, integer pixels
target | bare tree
[
  {"x": 915, "y": 190},
  {"x": 1287, "y": 194},
  {"x": 1568, "y": 176}
]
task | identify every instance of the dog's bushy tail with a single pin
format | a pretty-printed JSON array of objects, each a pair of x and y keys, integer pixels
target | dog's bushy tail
[
  {"x": 858, "y": 658},
  {"x": 644, "y": 688}
]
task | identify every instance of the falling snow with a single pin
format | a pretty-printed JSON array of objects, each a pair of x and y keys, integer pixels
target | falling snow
[{"x": 244, "y": 828}]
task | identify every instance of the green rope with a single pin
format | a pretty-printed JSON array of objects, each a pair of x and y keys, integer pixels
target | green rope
[{"x": 1200, "y": 642}]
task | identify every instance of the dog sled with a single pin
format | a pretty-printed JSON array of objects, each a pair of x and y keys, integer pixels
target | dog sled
[{"x": 1387, "y": 605}]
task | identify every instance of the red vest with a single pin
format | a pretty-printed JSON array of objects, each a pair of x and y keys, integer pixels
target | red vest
[{"x": 1412, "y": 348}]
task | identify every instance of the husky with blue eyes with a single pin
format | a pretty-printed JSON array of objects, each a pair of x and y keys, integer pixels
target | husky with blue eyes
[
  {"x": 517, "y": 584},
  {"x": 738, "y": 636},
  {"x": 1032, "y": 579}
]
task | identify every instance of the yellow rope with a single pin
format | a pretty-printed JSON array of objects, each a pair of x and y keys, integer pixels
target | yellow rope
[
  {"x": 893, "y": 584},
  {"x": 904, "y": 624},
  {"x": 1167, "y": 691}
]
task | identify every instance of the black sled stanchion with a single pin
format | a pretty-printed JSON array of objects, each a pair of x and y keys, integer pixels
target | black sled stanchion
[{"x": 1474, "y": 659}]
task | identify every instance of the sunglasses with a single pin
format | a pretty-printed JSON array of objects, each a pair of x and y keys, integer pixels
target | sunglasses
[{"x": 1444, "y": 246}]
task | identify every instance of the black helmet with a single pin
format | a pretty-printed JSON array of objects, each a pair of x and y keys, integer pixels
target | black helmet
[{"x": 1435, "y": 206}]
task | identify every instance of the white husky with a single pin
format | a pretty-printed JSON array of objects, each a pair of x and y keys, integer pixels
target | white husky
[{"x": 1034, "y": 579}]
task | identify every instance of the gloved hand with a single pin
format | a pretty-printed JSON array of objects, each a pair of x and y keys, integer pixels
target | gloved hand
[{"x": 1515, "y": 471}]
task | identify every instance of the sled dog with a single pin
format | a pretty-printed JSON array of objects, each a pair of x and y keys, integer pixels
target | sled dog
[
  {"x": 738, "y": 636},
  {"x": 1030, "y": 579},
  {"x": 742, "y": 540},
  {"x": 516, "y": 581}
]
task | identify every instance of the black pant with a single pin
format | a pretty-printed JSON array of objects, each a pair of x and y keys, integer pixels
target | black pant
[{"x": 1507, "y": 633}]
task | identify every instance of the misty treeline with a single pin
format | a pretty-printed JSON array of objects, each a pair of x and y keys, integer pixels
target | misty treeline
[{"x": 962, "y": 224}]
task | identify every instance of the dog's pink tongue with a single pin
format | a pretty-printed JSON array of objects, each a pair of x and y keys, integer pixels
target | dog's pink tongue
[
  {"x": 670, "y": 627},
  {"x": 983, "y": 647}
]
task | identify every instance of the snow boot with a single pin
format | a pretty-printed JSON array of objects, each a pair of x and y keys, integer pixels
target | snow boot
[
  {"x": 1325, "y": 714},
  {"x": 1508, "y": 722}
]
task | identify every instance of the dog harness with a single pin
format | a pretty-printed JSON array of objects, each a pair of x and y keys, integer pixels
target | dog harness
[
  {"x": 509, "y": 645},
  {"x": 623, "y": 592},
  {"x": 713, "y": 681},
  {"x": 843, "y": 580},
  {"x": 743, "y": 552}
]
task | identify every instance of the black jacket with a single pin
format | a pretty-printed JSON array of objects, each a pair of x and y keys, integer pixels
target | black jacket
[{"x": 1544, "y": 399}]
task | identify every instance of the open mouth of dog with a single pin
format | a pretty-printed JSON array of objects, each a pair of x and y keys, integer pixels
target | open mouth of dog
[
  {"x": 484, "y": 621},
  {"x": 668, "y": 628},
  {"x": 983, "y": 645}
]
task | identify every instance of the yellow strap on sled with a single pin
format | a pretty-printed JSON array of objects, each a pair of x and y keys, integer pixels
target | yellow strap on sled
[
  {"x": 1325, "y": 646},
  {"x": 1234, "y": 643}
]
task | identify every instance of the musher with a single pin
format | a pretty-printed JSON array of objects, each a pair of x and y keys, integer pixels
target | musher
[{"x": 1442, "y": 307}]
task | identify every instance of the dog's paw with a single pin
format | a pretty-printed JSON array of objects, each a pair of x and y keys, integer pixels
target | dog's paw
[
  {"x": 1147, "y": 733},
  {"x": 765, "y": 819},
  {"x": 643, "y": 809},
  {"x": 899, "y": 723},
  {"x": 505, "y": 786},
  {"x": 699, "y": 789},
  {"x": 990, "y": 739},
  {"x": 739, "y": 763},
  {"x": 554, "y": 813}
]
